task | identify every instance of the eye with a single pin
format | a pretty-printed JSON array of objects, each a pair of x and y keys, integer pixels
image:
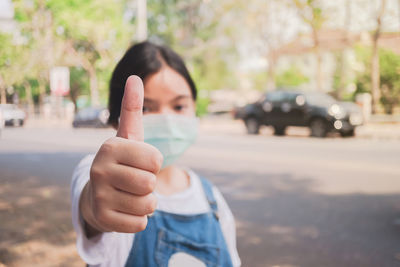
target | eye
[
  {"x": 146, "y": 109},
  {"x": 179, "y": 107}
]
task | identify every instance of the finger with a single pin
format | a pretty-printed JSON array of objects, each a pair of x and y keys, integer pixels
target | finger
[
  {"x": 138, "y": 154},
  {"x": 132, "y": 180},
  {"x": 130, "y": 124},
  {"x": 134, "y": 205},
  {"x": 122, "y": 222}
]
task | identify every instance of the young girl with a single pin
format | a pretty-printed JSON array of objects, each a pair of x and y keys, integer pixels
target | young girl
[{"x": 131, "y": 205}]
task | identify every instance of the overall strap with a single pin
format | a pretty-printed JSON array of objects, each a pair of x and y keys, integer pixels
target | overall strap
[{"x": 207, "y": 187}]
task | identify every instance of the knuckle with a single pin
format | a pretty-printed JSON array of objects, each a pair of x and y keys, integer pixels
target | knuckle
[
  {"x": 141, "y": 224},
  {"x": 150, "y": 183},
  {"x": 108, "y": 146},
  {"x": 151, "y": 204},
  {"x": 156, "y": 161},
  {"x": 101, "y": 216},
  {"x": 99, "y": 199},
  {"x": 96, "y": 171},
  {"x": 137, "y": 225}
]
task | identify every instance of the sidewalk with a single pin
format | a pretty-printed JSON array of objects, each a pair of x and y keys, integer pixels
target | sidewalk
[
  {"x": 224, "y": 124},
  {"x": 376, "y": 129},
  {"x": 37, "y": 122}
]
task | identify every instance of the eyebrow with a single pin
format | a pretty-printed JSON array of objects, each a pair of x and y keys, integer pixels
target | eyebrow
[{"x": 179, "y": 97}]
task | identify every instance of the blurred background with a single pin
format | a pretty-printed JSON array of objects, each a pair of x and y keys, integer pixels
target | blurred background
[{"x": 300, "y": 119}]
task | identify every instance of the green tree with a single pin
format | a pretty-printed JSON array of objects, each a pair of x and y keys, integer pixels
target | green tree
[
  {"x": 94, "y": 33},
  {"x": 390, "y": 79},
  {"x": 8, "y": 53},
  {"x": 12, "y": 63},
  {"x": 88, "y": 34},
  {"x": 312, "y": 15},
  {"x": 375, "y": 66},
  {"x": 193, "y": 29},
  {"x": 389, "y": 76}
]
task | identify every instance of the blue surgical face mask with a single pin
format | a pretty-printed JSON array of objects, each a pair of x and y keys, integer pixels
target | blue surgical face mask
[{"x": 170, "y": 134}]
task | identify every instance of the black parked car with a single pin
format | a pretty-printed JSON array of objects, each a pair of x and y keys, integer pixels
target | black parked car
[
  {"x": 319, "y": 111},
  {"x": 91, "y": 117}
]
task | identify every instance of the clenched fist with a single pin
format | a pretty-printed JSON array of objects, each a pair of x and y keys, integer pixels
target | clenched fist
[{"x": 118, "y": 196}]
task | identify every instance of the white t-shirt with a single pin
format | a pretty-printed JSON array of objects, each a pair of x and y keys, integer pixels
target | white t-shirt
[{"x": 112, "y": 248}]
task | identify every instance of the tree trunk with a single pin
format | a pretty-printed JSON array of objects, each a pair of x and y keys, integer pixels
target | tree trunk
[
  {"x": 42, "y": 93},
  {"x": 342, "y": 57},
  {"x": 89, "y": 67},
  {"x": 271, "y": 81},
  {"x": 375, "y": 79},
  {"x": 3, "y": 91},
  {"x": 318, "y": 71},
  {"x": 94, "y": 92},
  {"x": 29, "y": 98},
  {"x": 341, "y": 72},
  {"x": 141, "y": 20},
  {"x": 375, "y": 68}
]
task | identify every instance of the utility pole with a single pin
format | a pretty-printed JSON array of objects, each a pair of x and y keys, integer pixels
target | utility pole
[{"x": 141, "y": 20}]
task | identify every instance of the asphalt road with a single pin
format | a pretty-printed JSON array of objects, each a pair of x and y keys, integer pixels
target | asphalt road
[{"x": 297, "y": 201}]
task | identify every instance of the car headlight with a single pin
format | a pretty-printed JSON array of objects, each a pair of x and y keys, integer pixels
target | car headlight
[{"x": 337, "y": 111}]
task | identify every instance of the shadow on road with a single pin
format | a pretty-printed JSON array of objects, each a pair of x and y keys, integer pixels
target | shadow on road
[
  {"x": 36, "y": 228},
  {"x": 281, "y": 221}
]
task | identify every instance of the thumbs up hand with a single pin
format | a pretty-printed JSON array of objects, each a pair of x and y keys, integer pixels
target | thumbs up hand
[{"x": 123, "y": 174}]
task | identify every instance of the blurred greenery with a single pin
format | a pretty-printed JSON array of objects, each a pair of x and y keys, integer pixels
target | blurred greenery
[
  {"x": 90, "y": 36},
  {"x": 389, "y": 76},
  {"x": 291, "y": 77},
  {"x": 214, "y": 38}
]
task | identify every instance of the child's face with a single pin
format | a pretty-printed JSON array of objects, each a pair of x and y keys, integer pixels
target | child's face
[{"x": 167, "y": 92}]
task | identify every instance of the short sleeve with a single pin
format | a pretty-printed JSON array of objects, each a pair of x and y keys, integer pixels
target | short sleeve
[{"x": 228, "y": 226}]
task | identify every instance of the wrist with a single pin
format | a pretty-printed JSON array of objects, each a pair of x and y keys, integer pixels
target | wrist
[{"x": 89, "y": 223}]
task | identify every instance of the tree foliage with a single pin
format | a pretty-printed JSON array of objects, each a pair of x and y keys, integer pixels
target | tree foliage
[
  {"x": 214, "y": 37},
  {"x": 291, "y": 77},
  {"x": 389, "y": 76}
]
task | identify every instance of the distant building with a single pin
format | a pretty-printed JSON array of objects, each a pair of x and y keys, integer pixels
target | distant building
[
  {"x": 390, "y": 41},
  {"x": 301, "y": 53},
  {"x": 332, "y": 43}
]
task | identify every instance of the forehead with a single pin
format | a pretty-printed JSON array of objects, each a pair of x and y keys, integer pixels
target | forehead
[{"x": 166, "y": 83}]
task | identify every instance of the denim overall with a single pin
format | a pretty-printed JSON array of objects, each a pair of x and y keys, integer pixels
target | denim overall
[{"x": 197, "y": 235}]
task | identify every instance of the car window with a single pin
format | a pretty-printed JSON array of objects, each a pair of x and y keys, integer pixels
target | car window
[
  {"x": 319, "y": 99},
  {"x": 277, "y": 96},
  {"x": 290, "y": 97}
]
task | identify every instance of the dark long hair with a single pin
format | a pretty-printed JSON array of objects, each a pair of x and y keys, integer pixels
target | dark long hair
[{"x": 143, "y": 59}]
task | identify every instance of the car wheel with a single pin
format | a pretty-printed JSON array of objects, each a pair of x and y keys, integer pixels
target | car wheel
[
  {"x": 350, "y": 133},
  {"x": 279, "y": 130},
  {"x": 21, "y": 123},
  {"x": 319, "y": 128},
  {"x": 252, "y": 125}
]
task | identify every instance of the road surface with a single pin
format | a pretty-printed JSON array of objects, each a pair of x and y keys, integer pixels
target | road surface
[{"x": 298, "y": 201}]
